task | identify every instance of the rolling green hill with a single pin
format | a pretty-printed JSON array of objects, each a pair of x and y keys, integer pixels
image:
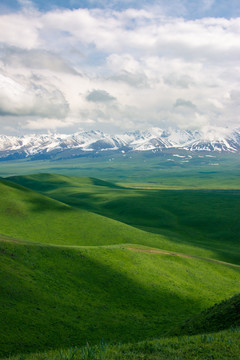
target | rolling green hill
[
  {"x": 206, "y": 219},
  {"x": 55, "y": 297},
  {"x": 85, "y": 260},
  {"x": 31, "y": 216},
  {"x": 28, "y": 215}
]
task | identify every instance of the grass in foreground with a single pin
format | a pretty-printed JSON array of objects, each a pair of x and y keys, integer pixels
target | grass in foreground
[
  {"x": 58, "y": 296},
  {"x": 53, "y": 297},
  {"x": 224, "y": 345}
]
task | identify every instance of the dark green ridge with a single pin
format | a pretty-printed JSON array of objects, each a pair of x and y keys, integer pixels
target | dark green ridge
[
  {"x": 46, "y": 181},
  {"x": 219, "y": 317}
]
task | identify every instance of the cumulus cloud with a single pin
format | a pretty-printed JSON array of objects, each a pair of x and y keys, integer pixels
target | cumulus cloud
[
  {"x": 139, "y": 68},
  {"x": 178, "y": 80},
  {"x": 34, "y": 59},
  {"x": 99, "y": 96},
  {"x": 47, "y": 123},
  {"x": 21, "y": 30},
  {"x": 18, "y": 100},
  {"x": 184, "y": 103}
]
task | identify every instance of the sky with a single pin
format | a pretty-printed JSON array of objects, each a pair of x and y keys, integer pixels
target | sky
[{"x": 68, "y": 65}]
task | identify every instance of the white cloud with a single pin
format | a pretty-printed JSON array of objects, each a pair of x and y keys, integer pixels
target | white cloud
[
  {"x": 34, "y": 59},
  {"x": 47, "y": 123},
  {"x": 99, "y": 96},
  {"x": 184, "y": 103},
  {"x": 18, "y": 100},
  {"x": 135, "y": 65},
  {"x": 21, "y": 30}
]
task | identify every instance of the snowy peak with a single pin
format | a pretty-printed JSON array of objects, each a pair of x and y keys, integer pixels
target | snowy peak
[{"x": 209, "y": 139}]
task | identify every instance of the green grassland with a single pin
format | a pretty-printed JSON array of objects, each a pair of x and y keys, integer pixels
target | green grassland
[
  {"x": 199, "y": 222},
  {"x": 222, "y": 345},
  {"x": 160, "y": 169},
  {"x": 28, "y": 215},
  {"x": 90, "y": 261},
  {"x": 54, "y": 297}
]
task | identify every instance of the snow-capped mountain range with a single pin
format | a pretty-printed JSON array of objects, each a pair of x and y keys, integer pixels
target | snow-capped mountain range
[{"x": 213, "y": 139}]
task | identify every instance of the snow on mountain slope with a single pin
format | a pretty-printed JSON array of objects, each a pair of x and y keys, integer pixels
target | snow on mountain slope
[{"x": 213, "y": 139}]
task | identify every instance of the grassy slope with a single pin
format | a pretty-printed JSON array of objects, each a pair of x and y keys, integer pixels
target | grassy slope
[
  {"x": 28, "y": 215},
  {"x": 207, "y": 219},
  {"x": 57, "y": 297},
  {"x": 31, "y": 216},
  {"x": 224, "y": 345},
  {"x": 220, "y": 316}
]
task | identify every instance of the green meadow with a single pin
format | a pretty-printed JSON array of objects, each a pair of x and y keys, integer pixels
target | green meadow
[
  {"x": 157, "y": 170},
  {"x": 199, "y": 222},
  {"x": 222, "y": 345},
  {"x": 131, "y": 266},
  {"x": 56, "y": 297}
]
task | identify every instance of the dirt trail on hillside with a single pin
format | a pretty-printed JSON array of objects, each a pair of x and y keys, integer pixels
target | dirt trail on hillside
[
  {"x": 5, "y": 238},
  {"x": 163, "y": 252}
]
